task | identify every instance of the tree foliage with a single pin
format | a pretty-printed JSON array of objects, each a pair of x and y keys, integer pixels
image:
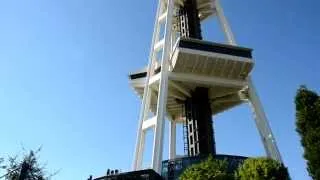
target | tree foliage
[
  {"x": 308, "y": 126},
  {"x": 26, "y": 169},
  {"x": 211, "y": 169},
  {"x": 262, "y": 169}
]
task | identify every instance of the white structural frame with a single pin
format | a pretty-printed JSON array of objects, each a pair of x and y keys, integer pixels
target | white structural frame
[
  {"x": 164, "y": 21},
  {"x": 157, "y": 85},
  {"x": 260, "y": 117}
]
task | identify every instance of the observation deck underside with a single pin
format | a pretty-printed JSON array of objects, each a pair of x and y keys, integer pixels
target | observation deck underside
[{"x": 196, "y": 63}]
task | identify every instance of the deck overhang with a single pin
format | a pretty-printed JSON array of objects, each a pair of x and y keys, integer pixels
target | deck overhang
[{"x": 223, "y": 69}]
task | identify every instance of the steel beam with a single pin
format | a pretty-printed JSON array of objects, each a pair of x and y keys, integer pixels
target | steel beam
[
  {"x": 261, "y": 121},
  {"x": 163, "y": 92},
  {"x": 172, "y": 139}
]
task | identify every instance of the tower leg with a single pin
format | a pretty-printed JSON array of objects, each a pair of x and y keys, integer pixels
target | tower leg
[
  {"x": 137, "y": 162},
  {"x": 141, "y": 149},
  {"x": 172, "y": 140},
  {"x": 138, "y": 156},
  {"x": 262, "y": 124},
  {"x": 162, "y": 92},
  {"x": 224, "y": 23},
  {"x": 264, "y": 129}
]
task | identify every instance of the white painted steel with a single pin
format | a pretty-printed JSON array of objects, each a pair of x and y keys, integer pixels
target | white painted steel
[
  {"x": 172, "y": 139},
  {"x": 141, "y": 149},
  {"x": 163, "y": 91},
  {"x": 154, "y": 79},
  {"x": 146, "y": 98},
  {"x": 150, "y": 123},
  {"x": 159, "y": 84},
  {"x": 159, "y": 45},
  {"x": 261, "y": 120},
  {"x": 262, "y": 124},
  {"x": 224, "y": 23},
  {"x": 164, "y": 17},
  {"x": 183, "y": 90}
]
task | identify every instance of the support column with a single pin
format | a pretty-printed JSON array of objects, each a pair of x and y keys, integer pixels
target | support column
[
  {"x": 141, "y": 149},
  {"x": 146, "y": 94},
  {"x": 163, "y": 92},
  {"x": 172, "y": 139},
  {"x": 262, "y": 124},
  {"x": 224, "y": 24},
  {"x": 261, "y": 121}
]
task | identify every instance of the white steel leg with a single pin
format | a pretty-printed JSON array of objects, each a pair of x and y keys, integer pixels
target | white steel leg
[
  {"x": 172, "y": 139},
  {"x": 146, "y": 94},
  {"x": 141, "y": 149},
  {"x": 265, "y": 132},
  {"x": 163, "y": 92},
  {"x": 224, "y": 23}
]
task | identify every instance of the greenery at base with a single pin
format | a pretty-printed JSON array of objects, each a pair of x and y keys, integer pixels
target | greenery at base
[
  {"x": 262, "y": 169},
  {"x": 308, "y": 126},
  {"x": 251, "y": 169},
  {"x": 210, "y": 169}
]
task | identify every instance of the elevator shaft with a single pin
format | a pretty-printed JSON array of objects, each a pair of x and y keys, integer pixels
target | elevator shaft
[
  {"x": 199, "y": 137},
  {"x": 189, "y": 20},
  {"x": 199, "y": 124}
]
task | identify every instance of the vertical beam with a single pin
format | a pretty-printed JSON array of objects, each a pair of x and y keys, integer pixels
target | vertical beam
[
  {"x": 146, "y": 94},
  {"x": 172, "y": 139},
  {"x": 224, "y": 23},
  {"x": 163, "y": 92},
  {"x": 263, "y": 125},
  {"x": 261, "y": 120},
  {"x": 141, "y": 149}
]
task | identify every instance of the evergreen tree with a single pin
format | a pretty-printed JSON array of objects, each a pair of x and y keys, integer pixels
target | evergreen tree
[
  {"x": 308, "y": 126},
  {"x": 26, "y": 169}
]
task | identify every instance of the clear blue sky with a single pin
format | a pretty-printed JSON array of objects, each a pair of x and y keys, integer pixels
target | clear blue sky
[{"x": 64, "y": 85}]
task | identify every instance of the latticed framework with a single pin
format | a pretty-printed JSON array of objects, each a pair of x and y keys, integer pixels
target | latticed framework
[{"x": 178, "y": 66}]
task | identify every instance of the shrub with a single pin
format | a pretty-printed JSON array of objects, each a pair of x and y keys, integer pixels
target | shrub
[
  {"x": 210, "y": 169},
  {"x": 262, "y": 169}
]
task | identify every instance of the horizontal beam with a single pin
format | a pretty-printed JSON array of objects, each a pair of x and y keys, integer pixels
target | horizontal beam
[
  {"x": 172, "y": 93},
  {"x": 180, "y": 88},
  {"x": 150, "y": 123},
  {"x": 154, "y": 79}
]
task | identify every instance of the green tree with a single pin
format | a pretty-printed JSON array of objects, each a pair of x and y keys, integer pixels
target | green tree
[
  {"x": 262, "y": 169},
  {"x": 308, "y": 126},
  {"x": 211, "y": 169},
  {"x": 26, "y": 169}
]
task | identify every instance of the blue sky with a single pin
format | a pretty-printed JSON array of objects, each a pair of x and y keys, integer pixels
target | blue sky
[{"x": 64, "y": 84}]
